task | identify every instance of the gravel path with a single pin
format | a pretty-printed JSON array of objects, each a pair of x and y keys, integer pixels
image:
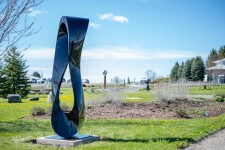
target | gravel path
[
  {"x": 212, "y": 142},
  {"x": 134, "y": 88}
]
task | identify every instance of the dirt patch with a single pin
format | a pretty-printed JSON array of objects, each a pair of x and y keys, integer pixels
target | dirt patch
[{"x": 160, "y": 110}]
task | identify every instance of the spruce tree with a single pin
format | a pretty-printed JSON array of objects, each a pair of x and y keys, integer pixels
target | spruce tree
[
  {"x": 213, "y": 56},
  {"x": 1, "y": 78},
  {"x": 221, "y": 52},
  {"x": 15, "y": 73},
  {"x": 187, "y": 69},
  {"x": 197, "y": 69},
  {"x": 174, "y": 72},
  {"x": 180, "y": 71},
  {"x": 128, "y": 80}
]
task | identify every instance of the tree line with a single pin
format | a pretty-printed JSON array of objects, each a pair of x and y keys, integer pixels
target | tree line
[
  {"x": 194, "y": 69},
  {"x": 215, "y": 55}
]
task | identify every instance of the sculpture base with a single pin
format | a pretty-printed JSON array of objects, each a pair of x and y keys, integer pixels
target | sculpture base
[{"x": 74, "y": 141}]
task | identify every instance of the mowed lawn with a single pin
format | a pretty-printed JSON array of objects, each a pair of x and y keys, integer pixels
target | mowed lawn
[
  {"x": 17, "y": 132},
  {"x": 210, "y": 90}
]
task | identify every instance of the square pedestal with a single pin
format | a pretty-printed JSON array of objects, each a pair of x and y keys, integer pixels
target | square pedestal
[{"x": 74, "y": 141}]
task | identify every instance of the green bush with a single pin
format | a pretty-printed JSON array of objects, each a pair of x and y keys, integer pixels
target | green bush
[
  {"x": 92, "y": 90},
  {"x": 37, "y": 111},
  {"x": 219, "y": 99},
  {"x": 220, "y": 94},
  {"x": 64, "y": 107}
]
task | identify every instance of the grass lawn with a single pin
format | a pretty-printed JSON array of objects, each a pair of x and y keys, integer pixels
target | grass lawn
[
  {"x": 17, "y": 132},
  {"x": 210, "y": 90},
  {"x": 115, "y": 133},
  {"x": 139, "y": 97}
]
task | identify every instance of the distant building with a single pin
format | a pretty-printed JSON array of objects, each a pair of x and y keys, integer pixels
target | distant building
[{"x": 216, "y": 73}]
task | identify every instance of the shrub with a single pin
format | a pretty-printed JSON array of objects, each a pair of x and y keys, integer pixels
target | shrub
[
  {"x": 169, "y": 91},
  {"x": 37, "y": 111},
  {"x": 181, "y": 112},
  {"x": 49, "y": 110},
  {"x": 64, "y": 107},
  {"x": 92, "y": 90},
  {"x": 220, "y": 94},
  {"x": 219, "y": 99},
  {"x": 107, "y": 97}
]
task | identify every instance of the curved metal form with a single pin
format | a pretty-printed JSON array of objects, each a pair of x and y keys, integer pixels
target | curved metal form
[{"x": 70, "y": 39}]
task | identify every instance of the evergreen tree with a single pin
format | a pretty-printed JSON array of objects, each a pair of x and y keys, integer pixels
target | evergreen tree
[
  {"x": 213, "y": 56},
  {"x": 187, "y": 69},
  {"x": 174, "y": 72},
  {"x": 180, "y": 71},
  {"x": 197, "y": 69},
  {"x": 15, "y": 73},
  {"x": 36, "y": 74},
  {"x": 221, "y": 52},
  {"x": 128, "y": 80},
  {"x": 1, "y": 78}
]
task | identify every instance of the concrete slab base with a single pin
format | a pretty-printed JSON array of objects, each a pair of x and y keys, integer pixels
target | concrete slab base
[{"x": 74, "y": 141}]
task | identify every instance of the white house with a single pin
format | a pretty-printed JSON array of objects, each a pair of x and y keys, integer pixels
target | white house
[{"x": 217, "y": 72}]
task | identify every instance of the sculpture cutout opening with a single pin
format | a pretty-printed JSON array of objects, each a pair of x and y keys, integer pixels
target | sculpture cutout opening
[{"x": 70, "y": 39}]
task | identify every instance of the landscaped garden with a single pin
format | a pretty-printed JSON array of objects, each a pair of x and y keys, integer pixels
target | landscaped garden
[{"x": 123, "y": 120}]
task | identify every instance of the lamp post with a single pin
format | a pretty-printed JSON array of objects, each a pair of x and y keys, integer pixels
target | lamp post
[{"x": 105, "y": 73}]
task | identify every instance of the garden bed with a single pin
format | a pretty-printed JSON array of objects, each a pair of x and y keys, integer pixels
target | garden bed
[
  {"x": 153, "y": 110},
  {"x": 160, "y": 110}
]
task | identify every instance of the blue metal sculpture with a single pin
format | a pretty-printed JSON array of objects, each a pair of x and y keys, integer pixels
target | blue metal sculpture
[{"x": 70, "y": 39}]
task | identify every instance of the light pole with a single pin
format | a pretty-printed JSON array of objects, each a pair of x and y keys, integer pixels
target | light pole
[{"x": 105, "y": 73}]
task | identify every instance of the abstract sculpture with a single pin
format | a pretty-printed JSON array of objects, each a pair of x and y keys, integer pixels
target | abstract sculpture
[{"x": 70, "y": 39}]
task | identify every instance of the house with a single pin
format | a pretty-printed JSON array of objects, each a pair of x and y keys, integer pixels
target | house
[{"x": 216, "y": 73}]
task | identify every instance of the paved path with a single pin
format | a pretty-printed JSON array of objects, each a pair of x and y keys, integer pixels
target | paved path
[
  {"x": 203, "y": 96},
  {"x": 134, "y": 88},
  {"x": 212, "y": 142}
]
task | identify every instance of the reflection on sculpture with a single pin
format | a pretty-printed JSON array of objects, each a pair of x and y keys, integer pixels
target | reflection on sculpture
[{"x": 70, "y": 39}]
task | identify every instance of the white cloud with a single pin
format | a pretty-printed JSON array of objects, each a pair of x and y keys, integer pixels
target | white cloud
[
  {"x": 94, "y": 25},
  {"x": 35, "y": 13},
  {"x": 116, "y": 52},
  {"x": 112, "y": 17},
  {"x": 40, "y": 68}
]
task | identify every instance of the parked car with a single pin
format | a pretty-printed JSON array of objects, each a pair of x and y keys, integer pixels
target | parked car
[
  {"x": 32, "y": 80},
  {"x": 49, "y": 80},
  {"x": 85, "y": 81},
  {"x": 42, "y": 80},
  {"x": 84, "y": 84},
  {"x": 68, "y": 81}
]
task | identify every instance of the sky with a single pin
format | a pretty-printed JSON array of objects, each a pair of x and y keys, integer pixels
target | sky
[{"x": 129, "y": 37}]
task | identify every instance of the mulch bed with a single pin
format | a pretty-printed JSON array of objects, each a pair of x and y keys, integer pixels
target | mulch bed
[
  {"x": 155, "y": 110},
  {"x": 160, "y": 110}
]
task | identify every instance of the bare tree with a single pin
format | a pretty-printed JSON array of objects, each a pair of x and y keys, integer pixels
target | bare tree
[{"x": 14, "y": 23}]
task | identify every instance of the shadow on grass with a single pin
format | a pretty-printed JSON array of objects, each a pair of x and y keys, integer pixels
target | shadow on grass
[
  {"x": 24, "y": 126},
  {"x": 124, "y": 122},
  {"x": 169, "y": 140}
]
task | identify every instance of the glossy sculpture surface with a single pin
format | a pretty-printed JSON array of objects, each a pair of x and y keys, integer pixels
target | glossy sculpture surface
[{"x": 70, "y": 39}]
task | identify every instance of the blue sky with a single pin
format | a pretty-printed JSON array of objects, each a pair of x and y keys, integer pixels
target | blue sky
[{"x": 128, "y": 37}]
